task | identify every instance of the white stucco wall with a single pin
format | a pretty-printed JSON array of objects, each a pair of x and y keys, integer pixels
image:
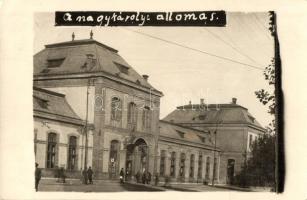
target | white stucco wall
[
  {"x": 76, "y": 97},
  {"x": 63, "y": 131}
]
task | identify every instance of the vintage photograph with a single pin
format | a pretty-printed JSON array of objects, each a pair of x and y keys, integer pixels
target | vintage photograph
[{"x": 155, "y": 108}]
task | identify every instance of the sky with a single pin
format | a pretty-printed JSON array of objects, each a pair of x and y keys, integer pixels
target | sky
[{"x": 183, "y": 74}]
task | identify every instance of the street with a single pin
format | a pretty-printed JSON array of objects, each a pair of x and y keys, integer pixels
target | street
[{"x": 114, "y": 186}]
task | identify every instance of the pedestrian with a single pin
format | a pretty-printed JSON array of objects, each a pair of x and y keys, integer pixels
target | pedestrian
[
  {"x": 38, "y": 175},
  {"x": 121, "y": 175},
  {"x": 90, "y": 175},
  {"x": 84, "y": 173}
]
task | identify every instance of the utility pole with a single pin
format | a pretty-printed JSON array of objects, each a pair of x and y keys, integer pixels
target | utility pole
[
  {"x": 219, "y": 121},
  {"x": 214, "y": 158},
  {"x": 86, "y": 126}
]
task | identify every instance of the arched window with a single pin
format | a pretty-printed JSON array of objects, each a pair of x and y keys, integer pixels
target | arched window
[
  {"x": 51, "y": 150},
  {"x": 116, "y": 109},
  {"x": 200, "y": 165},
  {"x": 132, "y": 114},
  {"x": 182, "y": 165},
  {"x": 173, "y": 164},
  {"x": 208, "y": 167},
  {"x": 72, "y": 153},
  {"x": 162, "y": 163},
  {"x": 215, "y": 167},
  {"x": 146, "y": 118},
  {"x": 192, "y": 161}
]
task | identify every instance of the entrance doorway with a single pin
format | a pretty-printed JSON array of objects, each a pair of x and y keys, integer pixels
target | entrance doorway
[
  {"x": 230, "y": 171},
  {"x": 114, "y": 159},
  {"x": 136, "y": 159}
]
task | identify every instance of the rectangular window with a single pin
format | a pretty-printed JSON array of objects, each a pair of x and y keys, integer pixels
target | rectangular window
[
  {"x": 51, "y": 150},
  {"x": 192, "y": 166},
  {"x": 72, "y": 153},
  {"x": 208, "y": 167},
  {"x": 162, "y": 163},
  {"x": 200, "y": 166},
  {"x": 182, "y": 165},
  {"x": 173, "y": 164},
  {"x": 250, "y": 141},
  {"x": 146, "y": 118},
  {"x": 132, "y": 115},
  {"x": 215, "y": 169}
]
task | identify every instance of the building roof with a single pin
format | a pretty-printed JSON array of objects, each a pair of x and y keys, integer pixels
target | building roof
[
  {"x": 212, "y": 114},
  {"x": 84, "y": 57},
  {"x": 52, "y": 105},
  {"x": 176, "y": 132}
]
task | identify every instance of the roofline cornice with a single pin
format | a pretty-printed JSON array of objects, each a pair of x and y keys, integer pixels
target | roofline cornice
[
  {"x": 58, "y": 118},
  {"x": 40, "y": 77},
  {"x": 224, "y": 124},
  {"x": 188, "y": 143},
  {"x": 186, "y": 127}
]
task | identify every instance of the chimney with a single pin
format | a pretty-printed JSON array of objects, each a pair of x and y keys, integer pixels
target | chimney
[
  {"x": 202, "y": 101},
  {"x": 234, "y": 100},
  {"x": 190, "y": 102},
  {"x": 145, "y": 77}
]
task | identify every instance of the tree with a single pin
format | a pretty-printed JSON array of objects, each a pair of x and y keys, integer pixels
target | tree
[
  {"x": 259, "y": 168},
  {"x": 267, "y": 98}
]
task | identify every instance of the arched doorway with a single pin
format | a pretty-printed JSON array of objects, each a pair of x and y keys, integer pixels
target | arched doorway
[
  {"x": 114, "y": 159},
  {"x": 136, "y": 158}
]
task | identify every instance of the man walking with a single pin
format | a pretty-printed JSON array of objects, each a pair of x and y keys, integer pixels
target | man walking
[
  {"x": 38, "y": 175},
  {"x": 90, "y": 175}
]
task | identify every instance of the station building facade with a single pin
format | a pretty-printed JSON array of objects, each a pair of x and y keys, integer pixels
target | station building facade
[{"x": 92, "y": 92}]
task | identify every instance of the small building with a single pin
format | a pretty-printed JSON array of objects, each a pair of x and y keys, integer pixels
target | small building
[
  {"x": 59, "y": 140},
  {"x": 231, "y": 125}
]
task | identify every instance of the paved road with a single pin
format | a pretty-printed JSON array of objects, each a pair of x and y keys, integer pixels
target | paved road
[
  {"x": 98, "y": 186},
  {"x": 115, "y": 186}
]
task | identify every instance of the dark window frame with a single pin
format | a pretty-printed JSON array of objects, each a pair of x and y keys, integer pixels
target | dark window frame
[
  {"x": 51, "y": 150},
  {"x": 72, "y": 153}
]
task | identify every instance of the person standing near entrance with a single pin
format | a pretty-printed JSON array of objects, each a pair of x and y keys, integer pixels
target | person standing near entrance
[
  {"x": 38, "y": 175},
  {"x": 90, "y": 175},
  {"x": 122, "y": 175}
]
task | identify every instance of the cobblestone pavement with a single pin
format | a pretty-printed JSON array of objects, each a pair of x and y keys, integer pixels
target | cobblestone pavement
[
  {"x": 196, "y": 188},
  {"x": 98, "y": 186},
  {"x": 114, "y": 186}
]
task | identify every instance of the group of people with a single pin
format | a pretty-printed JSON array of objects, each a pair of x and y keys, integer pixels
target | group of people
[
  {"x": 140, "y": 177},
  {"x": 144, "y": 177},
  {"x": 87, "y": 176}
]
